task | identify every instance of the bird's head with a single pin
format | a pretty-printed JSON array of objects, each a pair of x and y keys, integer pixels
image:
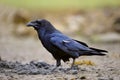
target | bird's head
[{"x": 38, "y": 24}]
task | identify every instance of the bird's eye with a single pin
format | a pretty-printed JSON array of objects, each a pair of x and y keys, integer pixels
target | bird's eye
[{"x": 39, "y": 22}]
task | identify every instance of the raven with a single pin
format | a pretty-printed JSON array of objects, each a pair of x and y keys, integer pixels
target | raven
[{"x": 59, "y": 45}]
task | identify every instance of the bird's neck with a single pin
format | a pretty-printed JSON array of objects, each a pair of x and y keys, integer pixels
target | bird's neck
[
  {"x": 45, "y": 31},
  {"x": 41, "y": 33}
]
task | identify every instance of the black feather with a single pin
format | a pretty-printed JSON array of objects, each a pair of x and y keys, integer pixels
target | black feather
[
  {"x": 59, "y": 45},
  {"x": 98, "y": 50}
]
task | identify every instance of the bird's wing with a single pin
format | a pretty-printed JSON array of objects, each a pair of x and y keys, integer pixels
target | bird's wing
[
  {"x": 68, "y": 45},
  {"x": 82, "y": 43},
  {"x": 98, "y": 50}
]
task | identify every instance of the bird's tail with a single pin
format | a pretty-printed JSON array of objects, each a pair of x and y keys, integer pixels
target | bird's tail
[
  {"x": 95, "y": 51},
  {"x": 98, "y": 50}
]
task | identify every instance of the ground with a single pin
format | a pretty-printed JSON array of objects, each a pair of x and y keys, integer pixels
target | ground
[
  {"x": 22, "y": 57},
  {"x": 26, "y": 50}
]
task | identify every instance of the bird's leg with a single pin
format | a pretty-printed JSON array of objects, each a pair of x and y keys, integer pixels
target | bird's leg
[
  {"x": 72, "y": 66},
  {"x": 73, "y": 63},
  {"x": 58, "y": 63}
]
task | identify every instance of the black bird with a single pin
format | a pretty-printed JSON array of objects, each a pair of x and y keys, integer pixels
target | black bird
[{"x": 59, "y": 45}]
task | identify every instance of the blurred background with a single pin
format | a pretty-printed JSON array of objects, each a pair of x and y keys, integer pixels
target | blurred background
[{"x": 96, "y": 22}]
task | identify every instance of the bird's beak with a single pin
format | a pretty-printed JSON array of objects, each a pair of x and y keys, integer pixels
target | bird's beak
[{"x": 29, "y": 24}]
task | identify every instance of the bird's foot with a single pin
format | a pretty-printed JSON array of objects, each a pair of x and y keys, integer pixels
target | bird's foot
[
  {"x": 57, "y": 68},
  {"x": 54, "y": 69},
  {"x": 75, "y": 67}
]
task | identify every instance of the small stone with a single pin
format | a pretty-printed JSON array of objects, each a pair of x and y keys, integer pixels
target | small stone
[
  {"x": 74, "y": 71},
  {"x": 82, "y": 77}
]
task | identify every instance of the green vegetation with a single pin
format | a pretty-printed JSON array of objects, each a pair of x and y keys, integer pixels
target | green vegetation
[{"x": 61, "y": 4}]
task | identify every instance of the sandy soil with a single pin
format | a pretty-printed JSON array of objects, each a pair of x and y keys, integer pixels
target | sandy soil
[
  {"x": 26, "y": 59},
  {"x": 26, "y": 50}
]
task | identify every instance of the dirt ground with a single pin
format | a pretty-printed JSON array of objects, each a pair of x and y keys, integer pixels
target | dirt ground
[
  {"x": 26, "y": 59},
  {"x": 28, "y": 52}
]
